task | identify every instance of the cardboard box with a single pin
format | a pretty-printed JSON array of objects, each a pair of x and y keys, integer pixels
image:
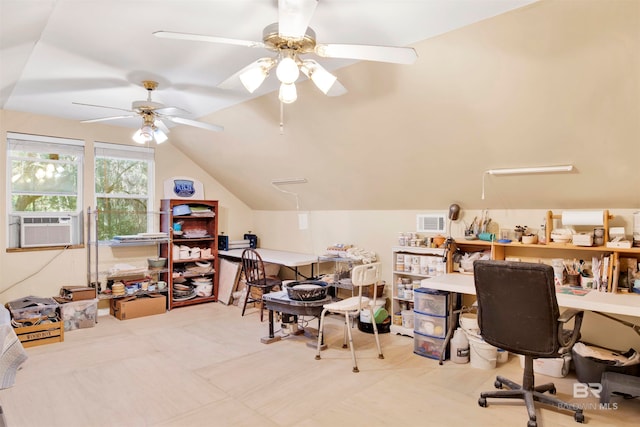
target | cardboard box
[
  {"x": 77, "y": 293},
  {"x": 44, "y": 333},
  {"x": 78, "y": 314},
  {"x": 132, "y": 307}
]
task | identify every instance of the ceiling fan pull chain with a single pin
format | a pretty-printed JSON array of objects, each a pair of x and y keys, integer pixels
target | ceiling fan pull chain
[{"x": 281, "y": 118}]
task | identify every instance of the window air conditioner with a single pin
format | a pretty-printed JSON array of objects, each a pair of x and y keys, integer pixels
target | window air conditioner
[{"x": 38, "y": 231}]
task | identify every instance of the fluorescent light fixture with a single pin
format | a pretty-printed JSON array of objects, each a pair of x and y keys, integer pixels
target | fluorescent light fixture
[
  {"x": 521, "y": 171},
  {"x": 283, "y": 181},
  {"x": 526, "y": 171}
]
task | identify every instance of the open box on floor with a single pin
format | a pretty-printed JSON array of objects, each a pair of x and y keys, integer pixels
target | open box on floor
[{"x": 132, "y": 307}]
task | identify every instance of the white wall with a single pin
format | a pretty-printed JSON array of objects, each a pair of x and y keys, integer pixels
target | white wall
[{"x": 377, "y": 231}]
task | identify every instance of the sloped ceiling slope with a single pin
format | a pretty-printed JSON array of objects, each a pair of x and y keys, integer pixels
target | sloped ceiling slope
[{"x": 553, "y": 83}]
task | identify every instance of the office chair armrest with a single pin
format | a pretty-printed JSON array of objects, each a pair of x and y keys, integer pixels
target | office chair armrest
[
  {"x": 568, "y": 340},
  {"x": 568, "y": 314}
]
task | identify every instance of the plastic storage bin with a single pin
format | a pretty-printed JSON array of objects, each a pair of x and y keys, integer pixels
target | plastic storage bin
[
  {"x": 32, "y": 308},
  {"x": 557, "y": 367},
  {"x": 590, "y": 370},
  {"x": 426, "y": 324},
  {"x": 79, "y": 314},
  {"x": 430, "y": 301},
  {"x": 428, "y": 346}
]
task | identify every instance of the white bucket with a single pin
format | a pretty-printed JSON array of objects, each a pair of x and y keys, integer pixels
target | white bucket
[
  {"x": 365, "y": 314},
  {"x": 483, "y": 355},
  {"x": 469, "y": 323}
]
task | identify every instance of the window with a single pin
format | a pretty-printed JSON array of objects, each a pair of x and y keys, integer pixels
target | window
[
  {"x": 124, "y": 177},
  {"x": 44, "y": 184}
]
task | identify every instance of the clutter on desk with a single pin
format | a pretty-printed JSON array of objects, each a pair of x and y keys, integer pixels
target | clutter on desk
[
  {"x": 340, "y": 250},
  {"x": 466, "y": 260},
  {"x": 414, "y": 239},
  {"x": 478, "y": 227}
]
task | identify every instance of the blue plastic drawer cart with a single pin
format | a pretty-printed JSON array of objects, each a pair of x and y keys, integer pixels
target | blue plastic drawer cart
[{"x": 431, "y": 323}]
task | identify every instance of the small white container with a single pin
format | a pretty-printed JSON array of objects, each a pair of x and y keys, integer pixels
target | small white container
[{"x": 407, "y": 319}]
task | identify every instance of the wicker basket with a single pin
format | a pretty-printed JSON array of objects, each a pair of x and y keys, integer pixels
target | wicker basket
[{"x": 309, "y": 290}]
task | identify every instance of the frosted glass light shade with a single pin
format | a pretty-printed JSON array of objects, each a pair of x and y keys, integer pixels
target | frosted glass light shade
[
  {"x": 288, "y": 93},
  {"x": 253, "y": 78},
  {"x": 143, "y": 135},
  {"x": 287, "y": 70}
]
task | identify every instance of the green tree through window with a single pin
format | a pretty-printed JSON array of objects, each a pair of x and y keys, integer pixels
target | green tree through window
[{"x": 123, "y": 185}]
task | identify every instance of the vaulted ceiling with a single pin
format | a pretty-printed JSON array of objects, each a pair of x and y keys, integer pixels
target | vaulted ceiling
[{"x": 498, "y": 83}]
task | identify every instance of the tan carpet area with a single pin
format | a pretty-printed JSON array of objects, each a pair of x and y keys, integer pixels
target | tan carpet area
[{"x": 204, "y": 365}]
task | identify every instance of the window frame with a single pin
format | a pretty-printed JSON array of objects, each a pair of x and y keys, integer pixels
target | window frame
[
  {"x": 127, "y": 152},
  {"x": 43, "y": 144}
]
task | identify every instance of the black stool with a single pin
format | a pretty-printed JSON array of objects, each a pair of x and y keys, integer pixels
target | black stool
[{"x": 613, "y": 382}]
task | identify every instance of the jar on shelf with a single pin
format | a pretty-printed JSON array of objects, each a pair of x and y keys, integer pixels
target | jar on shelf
[{"x": 400, "y": 290}]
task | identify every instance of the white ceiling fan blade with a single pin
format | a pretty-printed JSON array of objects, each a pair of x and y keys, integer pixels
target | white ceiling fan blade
[
  {"x": 208, "y": 39},
  {"x": 160, "y": 125},
  {"x": 103, "y": 106},
  {"x": 294, "y": 17},
  {"x": 171, "y": 110},
  {"x": 395, "y": 55},
  {"x": 195, "y": 123},
  {"x": 260, "y": 70},
  {"x": 104, "y": 119}
]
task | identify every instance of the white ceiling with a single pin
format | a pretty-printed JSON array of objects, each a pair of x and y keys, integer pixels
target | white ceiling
[
  {"x": 55, "y": 52},
  {"x": 552, "y": 83}
]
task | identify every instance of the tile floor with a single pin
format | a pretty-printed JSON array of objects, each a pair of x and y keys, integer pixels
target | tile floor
[{"x": 204, "y": 365}]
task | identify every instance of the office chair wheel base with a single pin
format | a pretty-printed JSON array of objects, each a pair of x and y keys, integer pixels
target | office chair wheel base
[
  {"x": 579, "y": 417},
  {"x": 552, "y": 390},
  {"x": 497, "y": 384},
  {"x": 482, "y": 402},
  {"x": 532, "y": 423}
]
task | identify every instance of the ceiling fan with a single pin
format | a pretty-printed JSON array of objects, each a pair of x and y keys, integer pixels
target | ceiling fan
[
  {"x": 152, "y": 113},
  {"x": 291, "y": 39}
]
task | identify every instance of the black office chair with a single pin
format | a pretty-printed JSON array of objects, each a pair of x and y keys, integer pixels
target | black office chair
[
  {"x": 255, "y": 277},
  {"x": 518, "y": 312}
]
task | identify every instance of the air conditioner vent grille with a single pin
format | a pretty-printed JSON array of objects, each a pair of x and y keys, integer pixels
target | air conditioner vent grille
[{"x": 431, "y": 223}]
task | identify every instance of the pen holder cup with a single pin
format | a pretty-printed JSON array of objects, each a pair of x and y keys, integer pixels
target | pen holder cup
[{"x": 573, "y": 279}]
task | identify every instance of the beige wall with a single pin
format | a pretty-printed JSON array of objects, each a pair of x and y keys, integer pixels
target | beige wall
[
  {"x": 377, "y": 231},
  {"x": 41, "y": 273}
]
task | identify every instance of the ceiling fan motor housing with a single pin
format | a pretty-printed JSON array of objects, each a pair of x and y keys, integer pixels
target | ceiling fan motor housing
[{"x": 274, "y": 41}]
